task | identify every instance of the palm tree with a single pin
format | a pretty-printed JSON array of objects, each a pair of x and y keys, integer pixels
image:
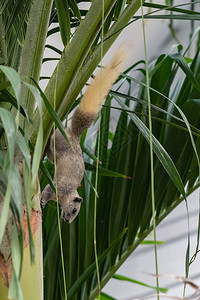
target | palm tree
[{"x": 124, "y": 183}]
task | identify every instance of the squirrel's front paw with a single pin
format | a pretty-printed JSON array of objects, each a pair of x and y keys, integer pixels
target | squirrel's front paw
[
  {"x": 46, "y": 196},
  {"x": 43, "y": 200}
]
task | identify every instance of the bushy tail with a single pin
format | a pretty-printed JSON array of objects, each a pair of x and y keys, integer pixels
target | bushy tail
[{"x": 96, "y": 93}]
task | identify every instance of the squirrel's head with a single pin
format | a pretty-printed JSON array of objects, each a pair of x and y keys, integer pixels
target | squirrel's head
[{"x": 71, "y": 206}]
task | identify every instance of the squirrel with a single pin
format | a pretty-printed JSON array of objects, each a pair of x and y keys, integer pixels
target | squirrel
[{"x": 69, "y": 160}]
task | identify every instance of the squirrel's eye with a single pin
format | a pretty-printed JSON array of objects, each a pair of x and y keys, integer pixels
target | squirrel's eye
[
  {"x": 74, "y": 210},
  {"x": 78, "y": 199}
]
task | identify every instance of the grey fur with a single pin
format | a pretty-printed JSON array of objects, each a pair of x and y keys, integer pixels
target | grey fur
[
  {"x": 70, "y": 167},
  {"x": 81, "y": 121},
  {"x": 69, "y": 160}
]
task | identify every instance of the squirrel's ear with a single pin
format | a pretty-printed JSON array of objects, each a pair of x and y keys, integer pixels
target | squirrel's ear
[{"x": 78, "y": 199}]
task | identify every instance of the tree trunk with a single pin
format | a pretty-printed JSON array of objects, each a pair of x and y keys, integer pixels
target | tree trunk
[{"x": 32, "y": 275}]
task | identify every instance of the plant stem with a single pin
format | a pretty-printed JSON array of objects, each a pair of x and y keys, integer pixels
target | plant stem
[
  {"x": 151, "y": 155},
  {"x": 3, "y": 51},
  {"x": 97, "y": 167},
  {"x": 33, "y": 48}
]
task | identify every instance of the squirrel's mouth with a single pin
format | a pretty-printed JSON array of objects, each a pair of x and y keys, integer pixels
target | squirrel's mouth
[{"x": 65, "y": 217}]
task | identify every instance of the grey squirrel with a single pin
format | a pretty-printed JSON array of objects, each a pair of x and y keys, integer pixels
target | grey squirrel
[{"x": 69, "y": 160}]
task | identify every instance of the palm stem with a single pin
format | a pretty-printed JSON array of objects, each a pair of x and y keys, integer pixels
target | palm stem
[
  {"x": 3, "y": 51},
  {"x": 33, "y": 48}
]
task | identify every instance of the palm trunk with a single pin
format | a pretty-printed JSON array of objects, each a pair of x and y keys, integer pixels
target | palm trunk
[{"x": 32, "y": 275}]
